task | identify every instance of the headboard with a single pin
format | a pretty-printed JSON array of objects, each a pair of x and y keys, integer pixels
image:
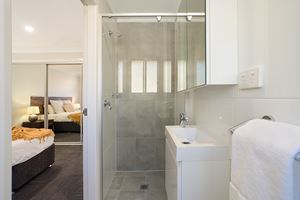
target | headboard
[{"x": 39, "y": 101}]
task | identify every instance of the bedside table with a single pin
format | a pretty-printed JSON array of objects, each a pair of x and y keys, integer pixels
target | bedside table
[{"x": 39, "y": 124}]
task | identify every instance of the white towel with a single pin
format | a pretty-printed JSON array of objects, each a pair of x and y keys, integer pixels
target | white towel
[{"x": 263, "y": 153}]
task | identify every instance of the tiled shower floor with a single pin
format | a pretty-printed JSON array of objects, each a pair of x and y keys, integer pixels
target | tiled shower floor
[{"x": 127, "y": 186}]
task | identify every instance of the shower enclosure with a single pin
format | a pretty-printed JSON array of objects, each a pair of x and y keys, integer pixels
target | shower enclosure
[{"x": 145, "y": 61}]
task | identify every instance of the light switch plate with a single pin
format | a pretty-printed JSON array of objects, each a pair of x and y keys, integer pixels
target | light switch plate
[{"x": 251, "y": 78}]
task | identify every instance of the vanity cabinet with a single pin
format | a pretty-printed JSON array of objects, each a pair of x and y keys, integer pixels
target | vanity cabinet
[
  {"x": 173, "y": 169},
  {"x": 221, "y": 42},
  {"x": 196, "y": 180}
]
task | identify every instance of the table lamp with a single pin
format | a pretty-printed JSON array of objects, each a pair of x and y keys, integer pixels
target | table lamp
[{"x": 32, "y": 111}]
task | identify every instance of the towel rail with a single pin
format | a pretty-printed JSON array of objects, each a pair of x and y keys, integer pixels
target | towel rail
[{"x": 266, "y": 117}]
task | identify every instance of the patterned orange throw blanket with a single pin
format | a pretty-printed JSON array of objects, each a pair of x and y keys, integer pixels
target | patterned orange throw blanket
[
  {"x": 31, "y": 133},
  {"x": 75, "y": 117}
]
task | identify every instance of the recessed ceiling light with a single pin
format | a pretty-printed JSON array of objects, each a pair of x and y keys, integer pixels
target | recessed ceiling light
[{"x": 29, "y": 29}]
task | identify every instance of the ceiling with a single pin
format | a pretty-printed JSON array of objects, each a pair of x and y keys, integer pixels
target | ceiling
[
  {"x": 144, "y": 6},
  {"x": 58, "y": 26}
]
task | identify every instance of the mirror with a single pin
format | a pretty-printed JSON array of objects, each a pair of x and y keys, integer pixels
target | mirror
[
  {"x": 181, "y": 52},
  {"x": 64, "y": 101},
  {"x": 191, "y": 46},
  {"x": 196, "y": 72}
]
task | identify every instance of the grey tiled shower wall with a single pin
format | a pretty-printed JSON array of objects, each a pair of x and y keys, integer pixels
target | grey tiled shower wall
[{"x": 141, "y": 117}]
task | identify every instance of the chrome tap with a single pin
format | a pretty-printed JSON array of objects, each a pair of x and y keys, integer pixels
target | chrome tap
[
  {"x": 107, "y": 104},
  {"x": 183, "y": 120}
]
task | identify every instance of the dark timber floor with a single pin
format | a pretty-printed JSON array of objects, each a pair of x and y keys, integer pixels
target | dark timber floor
[
  {"x": 64, "y": 181},
  {"x": 67, "y": 137}
]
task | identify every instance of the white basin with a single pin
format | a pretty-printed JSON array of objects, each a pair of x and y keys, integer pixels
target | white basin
[{"x": 193, "y": 144}]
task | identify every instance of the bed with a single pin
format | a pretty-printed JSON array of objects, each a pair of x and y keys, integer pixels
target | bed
[
  {"x": 30, "y": 158},
  {"x": 62, "y": 124}
]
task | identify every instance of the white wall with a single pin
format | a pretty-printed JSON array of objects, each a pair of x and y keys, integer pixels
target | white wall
[
  {"x": 42, "y": 57},
  {"x": 268, "y": 34},
  {"x": 27, "y": 80},
  {"x": 65, "y": 81},
  {"x": 30, "y": 80}
]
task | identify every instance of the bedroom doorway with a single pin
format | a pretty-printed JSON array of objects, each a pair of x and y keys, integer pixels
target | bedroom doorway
[
  {"x": 47, "y": 70},
  {"x": 47, "y": 96}
]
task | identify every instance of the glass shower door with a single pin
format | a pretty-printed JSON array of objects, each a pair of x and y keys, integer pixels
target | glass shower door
[
  {"x": 138, "y": 61},
  {"x": 109, "y": 109}
]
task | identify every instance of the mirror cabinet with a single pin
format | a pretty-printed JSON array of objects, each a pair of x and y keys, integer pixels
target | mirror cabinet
[{"x": 206, "y": 43}]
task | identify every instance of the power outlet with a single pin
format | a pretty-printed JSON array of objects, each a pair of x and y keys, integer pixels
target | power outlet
[{"x": 251, "y": 78}]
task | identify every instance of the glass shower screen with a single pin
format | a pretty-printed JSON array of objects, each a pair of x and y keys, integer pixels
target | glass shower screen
[{"x": 138, "y": 59}]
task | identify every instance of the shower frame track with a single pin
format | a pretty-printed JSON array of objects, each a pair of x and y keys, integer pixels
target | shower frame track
[{"x": 111, "y": 15}]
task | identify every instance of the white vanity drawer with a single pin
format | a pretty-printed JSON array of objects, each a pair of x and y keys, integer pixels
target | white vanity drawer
[{"x": 172, "y": 169}]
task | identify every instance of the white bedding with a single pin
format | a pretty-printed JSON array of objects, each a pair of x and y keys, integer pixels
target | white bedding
[
  {"x": 24, "y": 150},
  {"x": 60, "y": 117}
]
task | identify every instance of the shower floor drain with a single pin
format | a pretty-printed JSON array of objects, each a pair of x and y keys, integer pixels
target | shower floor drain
[{"x": 144, "y": 187}]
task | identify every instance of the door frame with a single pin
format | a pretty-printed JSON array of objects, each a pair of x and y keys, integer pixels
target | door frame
[
  {"x": 5, "y": 99},
  {"x": 91, "y": 98},
  {"x": 92, "y": 95}
]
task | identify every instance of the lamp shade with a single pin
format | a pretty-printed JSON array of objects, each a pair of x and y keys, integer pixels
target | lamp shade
[{"x": 33, "y": 110}]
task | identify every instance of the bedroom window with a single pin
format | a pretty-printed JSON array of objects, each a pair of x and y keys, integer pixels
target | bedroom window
[{"x": 144, "y": 76}]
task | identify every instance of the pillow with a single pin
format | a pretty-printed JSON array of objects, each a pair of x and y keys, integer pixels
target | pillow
[
  {"x": 57, "y": 106},
  {"x": 50, "y": 109},
  {"x": 68, "y": 108},
  {"x": 68, "y": 102}
]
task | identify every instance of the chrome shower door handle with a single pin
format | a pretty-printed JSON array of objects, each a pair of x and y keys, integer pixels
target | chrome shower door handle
[{"x": 107, "y": 104}]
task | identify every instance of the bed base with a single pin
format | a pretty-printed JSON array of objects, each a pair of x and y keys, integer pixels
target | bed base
[
  {"x": 66, "y": 127},
  {"x": 26, "y": 171}
]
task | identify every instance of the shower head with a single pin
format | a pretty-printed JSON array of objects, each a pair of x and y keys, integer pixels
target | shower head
[{"x": 158, "y": 18}]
